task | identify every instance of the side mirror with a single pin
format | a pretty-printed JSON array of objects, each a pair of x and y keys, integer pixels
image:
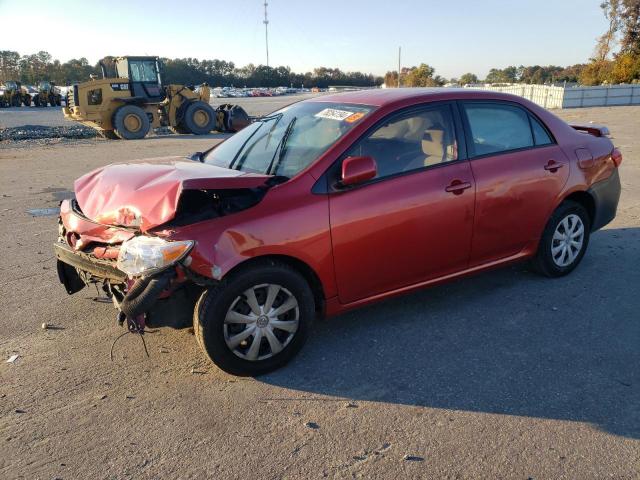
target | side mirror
[
  {"x": 196, "y": 156},
  {"x": 357, "y": 170}
]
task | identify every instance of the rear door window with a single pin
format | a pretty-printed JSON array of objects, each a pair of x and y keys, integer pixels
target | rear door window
[{"x": 498, "y": 128}]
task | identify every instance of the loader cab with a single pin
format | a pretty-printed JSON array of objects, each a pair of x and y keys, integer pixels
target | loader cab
[
  {"x": 44, "y": 87},
  {"x": 144, "y": 74},
  {"x": 12, "y": 86}
]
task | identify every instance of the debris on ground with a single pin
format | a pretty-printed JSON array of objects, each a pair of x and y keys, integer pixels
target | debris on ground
[
  {"x": 312, "y": 425},
  {"x": 413, "y": 458},
  {"x": 350, "y": 405},
  {"x": 12, "y": 358},
  {"x": 43, "y": 212},
  {"x": 45, "y": 325}
]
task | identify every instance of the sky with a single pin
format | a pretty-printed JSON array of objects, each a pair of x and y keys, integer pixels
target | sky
[{"x": 455, "y": 37}]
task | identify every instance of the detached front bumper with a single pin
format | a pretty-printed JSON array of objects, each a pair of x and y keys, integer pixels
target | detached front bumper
[{"x": 103, "y": 269}]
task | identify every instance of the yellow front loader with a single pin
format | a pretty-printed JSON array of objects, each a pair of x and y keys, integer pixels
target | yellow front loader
[{"x": 128, "y": 105}]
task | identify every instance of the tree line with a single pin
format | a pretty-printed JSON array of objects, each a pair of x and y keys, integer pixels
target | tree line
[
  {"x": 424, "y": 76},
  {"x": 30, "y": 69}
]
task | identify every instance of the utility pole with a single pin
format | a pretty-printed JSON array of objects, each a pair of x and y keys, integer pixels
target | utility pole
[
  {"x": 266, "y": 30},
  {"x": 399, "y": 52}
]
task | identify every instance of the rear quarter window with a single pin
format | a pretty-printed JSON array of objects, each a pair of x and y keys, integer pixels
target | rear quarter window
[{"x": 540, "y": 134}]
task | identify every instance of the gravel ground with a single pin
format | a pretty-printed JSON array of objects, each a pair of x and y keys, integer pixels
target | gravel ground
[{"x": 504, "y": 375}]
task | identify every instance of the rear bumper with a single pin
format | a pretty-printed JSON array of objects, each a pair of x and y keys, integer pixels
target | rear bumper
[{"x": 606, "y": 195}]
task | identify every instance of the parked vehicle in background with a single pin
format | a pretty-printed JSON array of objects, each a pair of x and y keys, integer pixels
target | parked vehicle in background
[
  {"x": 14, "y": 95},
  {"x": 334, "y": 203},
  {"x": 47, "y": 93}
]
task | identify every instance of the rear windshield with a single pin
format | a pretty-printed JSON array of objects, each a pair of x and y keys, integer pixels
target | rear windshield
[{"x": 287, "y": 141}]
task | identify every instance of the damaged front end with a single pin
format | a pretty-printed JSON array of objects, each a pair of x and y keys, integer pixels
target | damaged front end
[
  {"x": 121, "y": 234},
  {"x": 148, "y": 285}
]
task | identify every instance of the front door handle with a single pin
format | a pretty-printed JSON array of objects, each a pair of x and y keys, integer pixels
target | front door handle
[
  {"x": 457, "y": 187},
  {"x": 553, "y": 166}
]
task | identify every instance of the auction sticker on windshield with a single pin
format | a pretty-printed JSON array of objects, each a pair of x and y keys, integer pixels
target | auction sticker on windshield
[{"x": 334, "y": 114}]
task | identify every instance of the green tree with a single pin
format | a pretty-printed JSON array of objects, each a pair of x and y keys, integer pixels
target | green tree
[
  {"x": 422, "y": 76},
  {"x": 468, "y": 78}
]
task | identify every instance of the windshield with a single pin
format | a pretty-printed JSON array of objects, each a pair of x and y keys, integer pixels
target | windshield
[
  {"x": 287, "y": 141},
  {"x": 143, "y": 70}
]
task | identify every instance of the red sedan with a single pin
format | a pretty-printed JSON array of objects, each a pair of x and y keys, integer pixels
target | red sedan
[{"x": 333, "y": 203}]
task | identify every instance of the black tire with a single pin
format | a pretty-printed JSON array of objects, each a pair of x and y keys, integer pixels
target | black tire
[
  {"x": 199, "y": 118},
  {"x": 26, "y": 100},
  {"x": 212, "y": 307},
  {"x": 58, "y": 100},
  {"x": 36, "y": 100},
  {"x": 544, "y": 262},
  {"x": 131, "y": 122}
]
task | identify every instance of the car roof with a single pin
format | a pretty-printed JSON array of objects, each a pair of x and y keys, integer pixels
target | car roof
[{"x": 381, "y": 97}]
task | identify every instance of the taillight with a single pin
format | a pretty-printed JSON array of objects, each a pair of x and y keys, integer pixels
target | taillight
[{"x": 616, "y": 156}]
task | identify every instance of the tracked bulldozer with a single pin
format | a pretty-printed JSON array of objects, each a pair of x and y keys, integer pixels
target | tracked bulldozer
[
  {"x": 128, "y": 105},
  {"x": 48, "y": 93},
  {"x": 14, "y": 95}
]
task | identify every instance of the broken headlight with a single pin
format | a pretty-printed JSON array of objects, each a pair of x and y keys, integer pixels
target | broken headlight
[{"x": 146, "y": 255}]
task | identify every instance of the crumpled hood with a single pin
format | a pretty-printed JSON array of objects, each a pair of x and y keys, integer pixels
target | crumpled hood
[{"x": 145, "y": 194}]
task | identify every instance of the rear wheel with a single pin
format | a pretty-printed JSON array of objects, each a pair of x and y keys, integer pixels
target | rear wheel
[
  {"x": 256, "y": 320},
  {"x": 199, "y": 118},
  {"x": 564, "y": 240},
  {"x": 36, "y": 100},
  {"x": 131, "y": 122},
  {"x": 26, "y": 100}
]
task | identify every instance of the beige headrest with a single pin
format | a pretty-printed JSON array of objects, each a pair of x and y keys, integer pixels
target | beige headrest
[{"x": 433, "y": 143}]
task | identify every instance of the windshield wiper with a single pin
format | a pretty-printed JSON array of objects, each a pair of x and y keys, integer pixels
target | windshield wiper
[
  {"x": 233, "y": 164},
  {"x": 281, "y": 148}
]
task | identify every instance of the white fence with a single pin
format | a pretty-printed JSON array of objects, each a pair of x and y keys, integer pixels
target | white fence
[{"x": 573, "y": 97}]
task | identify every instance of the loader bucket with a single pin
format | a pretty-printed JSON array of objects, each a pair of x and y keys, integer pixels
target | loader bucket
[{"x": 233, "y": 118}]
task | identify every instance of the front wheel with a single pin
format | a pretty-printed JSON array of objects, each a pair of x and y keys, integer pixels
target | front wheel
[
  {"x": 256, "y": 320},
  {"x": 131, "y": 122},
  {"x": 564, "y": 240},
  {"x": 199, "y": 118}
]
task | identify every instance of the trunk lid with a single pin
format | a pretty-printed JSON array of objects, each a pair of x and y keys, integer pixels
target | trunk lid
[{"x": 145, "y": 194}]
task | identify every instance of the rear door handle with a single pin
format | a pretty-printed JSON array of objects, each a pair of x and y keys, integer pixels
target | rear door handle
[
  {"x": 553, "y": 166},
  {"x": 457, "y": 187}
]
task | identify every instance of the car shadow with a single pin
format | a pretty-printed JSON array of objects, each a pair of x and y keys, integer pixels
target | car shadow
[{"x": 505, "y": 342}]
